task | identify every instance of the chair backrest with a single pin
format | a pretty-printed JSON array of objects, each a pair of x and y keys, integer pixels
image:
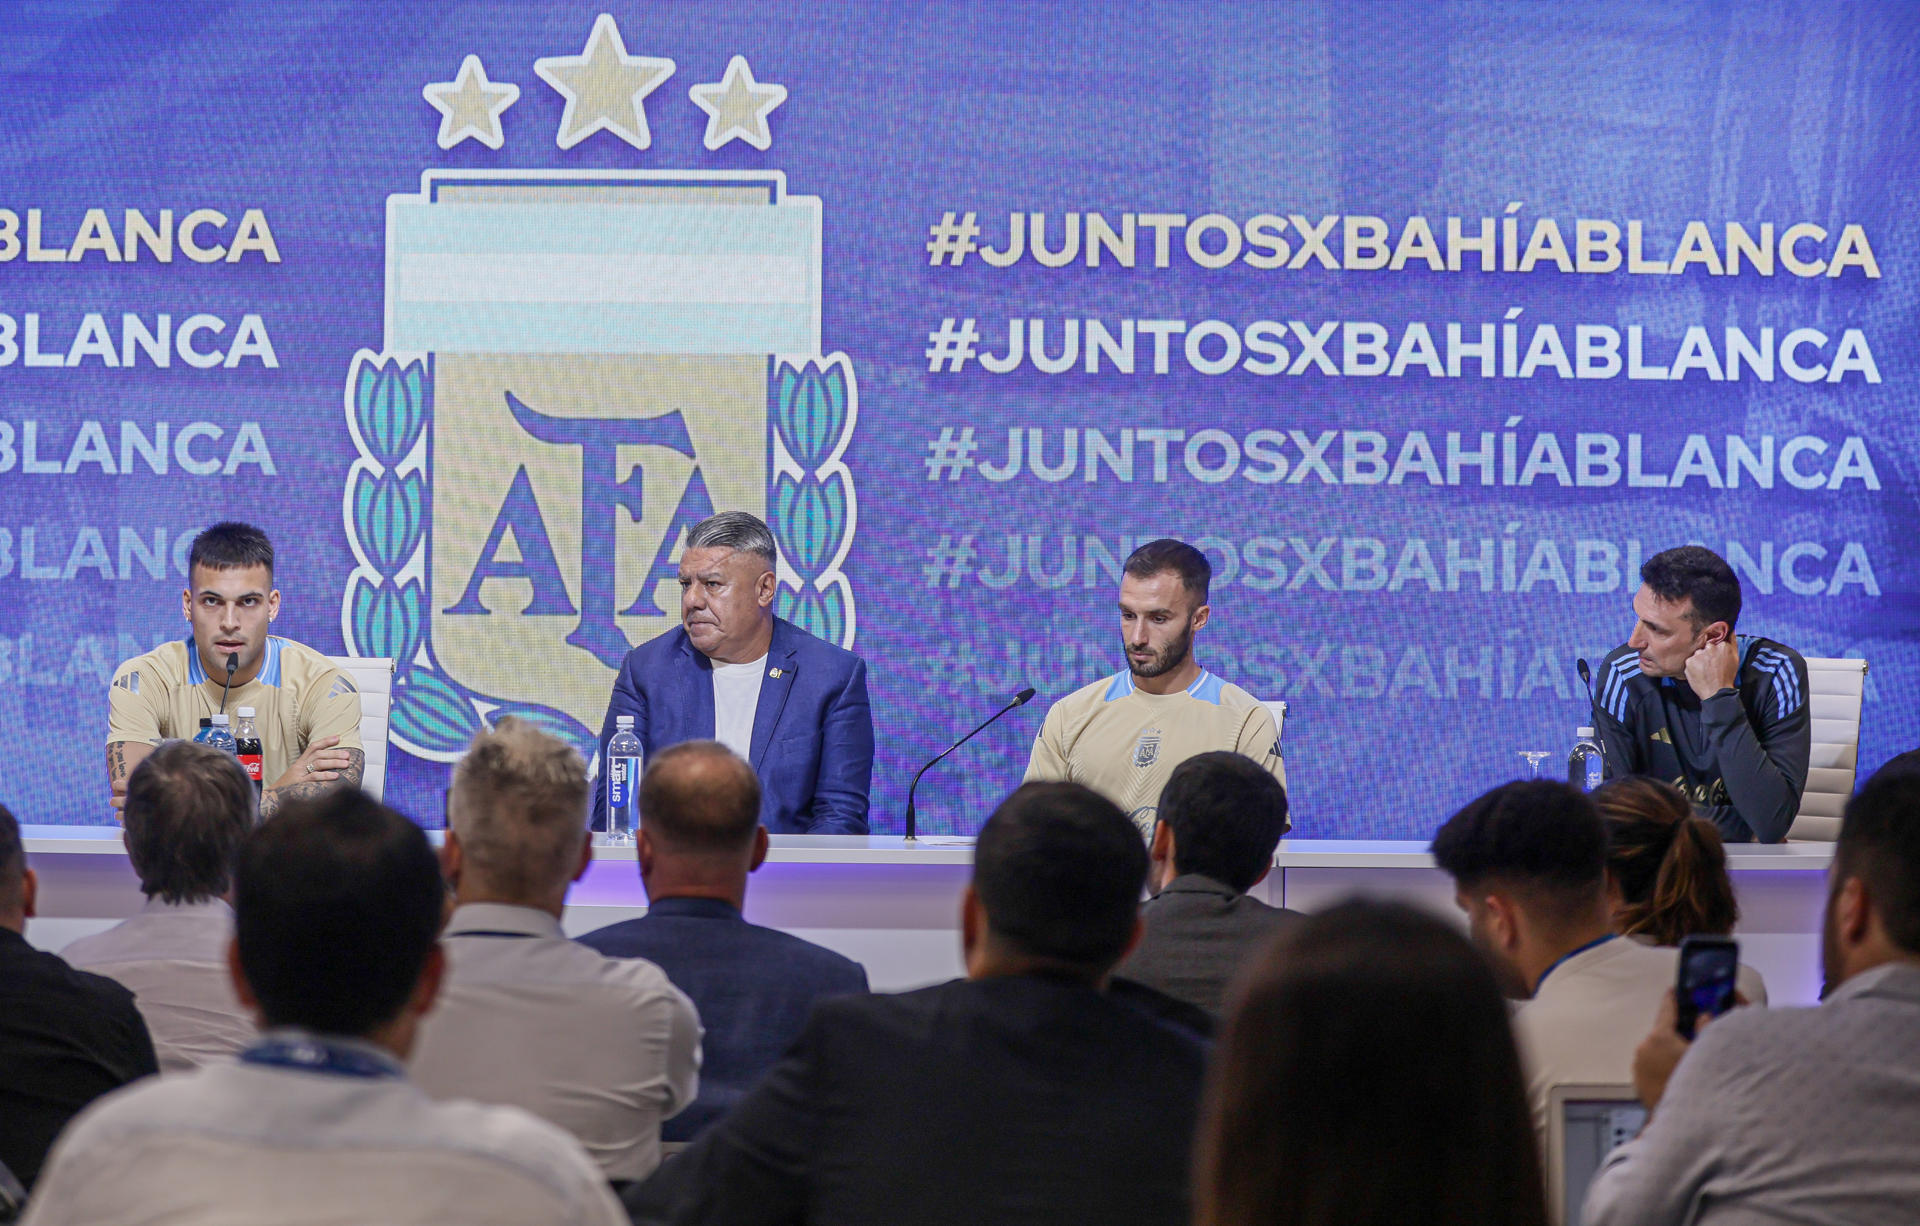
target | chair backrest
[
  {"x": 1835, "y": 688},
  {"x": 1279, "y": 709},
  {"x": 373, "y": 677}
]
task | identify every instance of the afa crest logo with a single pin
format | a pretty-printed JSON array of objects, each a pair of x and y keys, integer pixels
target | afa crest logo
[{"x": 577, "y": 367}]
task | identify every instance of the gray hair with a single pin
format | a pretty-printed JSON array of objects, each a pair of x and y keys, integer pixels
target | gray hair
[
  {"x": 519, "y": 802},
  {"x": 741, "y": 531}
]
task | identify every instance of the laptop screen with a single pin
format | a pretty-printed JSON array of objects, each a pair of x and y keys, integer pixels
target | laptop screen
[{"x": 1590, "y": 1130}]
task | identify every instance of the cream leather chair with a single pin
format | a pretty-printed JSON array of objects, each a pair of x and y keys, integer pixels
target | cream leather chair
[
  {"x": 1835, "y": 689},
  {"x": 373, "y": 677}
]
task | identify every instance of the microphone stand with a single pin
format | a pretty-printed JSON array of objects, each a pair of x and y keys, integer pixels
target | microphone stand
[
  {"x": 1019, "y": 699},
  {"x": 1593, "y": 709},
  {"x": 233, "y": 662}
]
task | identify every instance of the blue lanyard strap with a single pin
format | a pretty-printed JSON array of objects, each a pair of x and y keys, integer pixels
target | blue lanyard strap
[
  {"x": 316, "y": 1055},
  {"x": 1572, "y": 953}
]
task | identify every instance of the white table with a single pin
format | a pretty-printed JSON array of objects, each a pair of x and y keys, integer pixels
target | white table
[{"x": 895, "y": 906}]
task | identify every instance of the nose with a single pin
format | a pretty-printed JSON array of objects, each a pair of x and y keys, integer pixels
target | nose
[{"x": 1638, "y": 639}]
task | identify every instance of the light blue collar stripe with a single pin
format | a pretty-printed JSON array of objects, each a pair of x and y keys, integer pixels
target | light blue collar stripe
[
  {"x": 195, "y": 674},
  {"x": 1120, "y": 686},
  {"x": 270, "y": 673}
]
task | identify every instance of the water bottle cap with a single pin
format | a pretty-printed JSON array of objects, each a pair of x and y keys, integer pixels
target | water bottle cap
[
  {"x": 245, "y": 712},
  {"x": 206, "y": 721},
  {"x": 1583, "y": 732},
  {"x": 219, "y": 721},
  {"x": 623, "y": 721}
]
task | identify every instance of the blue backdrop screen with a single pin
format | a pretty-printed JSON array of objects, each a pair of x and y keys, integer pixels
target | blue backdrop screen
[{"x": 1427, "y": 322}]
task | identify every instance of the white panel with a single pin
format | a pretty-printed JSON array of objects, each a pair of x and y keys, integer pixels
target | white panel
[
  {"x": 1813, "y": 827},
  {"x": 373, "y": 677},
  {"x": 1831, "y": 781},
  {"x": 1823, "y": 804},
  {"x": 1835, "y": 756},
  {"x": 1834, "y": 706},
  {"x": 1842, "y": 731}
]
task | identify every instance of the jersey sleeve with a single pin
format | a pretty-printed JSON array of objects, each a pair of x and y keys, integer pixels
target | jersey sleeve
[
  {"x": 1613, "y": 709},
  {"x": 1048, "y": 762},
  {"x": 332, "y": 708},
  {"x": 1260, "y": 740},
  {"x": 134, "y": 703}
]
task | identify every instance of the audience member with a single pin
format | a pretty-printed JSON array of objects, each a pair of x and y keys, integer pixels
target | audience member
[
  {"x": 1368, "y": 1077},
  {"x": 1219, "y": 819},
  {"x": 1667, "y": 870},
  {"x": 188, "y": 806},
  {"x": 700, "y": 836},
  {"x": 66, "y": 1037},
  {"x": 1019, "y": 1094},
  {"x": 336, "y": 904},
  {"x": 1798, "y": 1115},
  {"x": 606, "y": 1048},
  {"x": 1529, "y": 865}
]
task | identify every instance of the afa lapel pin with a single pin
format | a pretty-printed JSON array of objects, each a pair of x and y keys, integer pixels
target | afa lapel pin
[{"x": 774, "y": 673}]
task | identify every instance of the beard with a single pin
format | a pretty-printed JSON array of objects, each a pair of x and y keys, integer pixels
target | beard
[{"x": 1168, "y": 658}]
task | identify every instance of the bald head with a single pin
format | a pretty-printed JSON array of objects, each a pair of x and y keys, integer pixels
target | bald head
[{"x": 699, "y": 798}]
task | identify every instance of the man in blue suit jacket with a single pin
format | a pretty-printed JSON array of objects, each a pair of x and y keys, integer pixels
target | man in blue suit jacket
[{"x": 792, "y": 705}]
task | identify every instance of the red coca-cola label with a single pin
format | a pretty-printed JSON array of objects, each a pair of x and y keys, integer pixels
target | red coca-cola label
[{"x": 252, "y": 762}]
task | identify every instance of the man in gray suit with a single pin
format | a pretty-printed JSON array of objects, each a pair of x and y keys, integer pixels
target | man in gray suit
[{"x": 1220, "y": 817}]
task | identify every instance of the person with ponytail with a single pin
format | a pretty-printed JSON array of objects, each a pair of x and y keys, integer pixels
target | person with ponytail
[{"x": 1667, "y": 870}]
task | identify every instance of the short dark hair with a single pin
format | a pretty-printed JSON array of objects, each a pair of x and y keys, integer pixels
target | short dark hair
[
  {"x": 1880, "y": 844},
  {"x": 1059, "y": 870},
  {"x": 1348, "y": 1039},
  {"x": 188, "y": 807},
  {"x": 1670, "y": 865},
  {"x": 337, "y": 905},
  {"x": 1167, "y": 554},
  {"x": 13, "y": 860},
  {"x": 1694, "y": 572},
  {"x": 231, "y": 545},
  {"x": 700, "y": 796},
  {"x": 1227, "y": 815},
  {"x": 1538, "y": 837}
]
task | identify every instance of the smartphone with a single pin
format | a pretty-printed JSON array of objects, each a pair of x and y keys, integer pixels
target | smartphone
[{"x": 1708, "y": 969}]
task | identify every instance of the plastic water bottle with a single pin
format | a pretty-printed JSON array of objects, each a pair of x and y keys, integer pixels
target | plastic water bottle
[
  {"x": 215, "y": 732},
  {"x": 623, "y": 781},
  {"x": 246, "y": 737},
  {"x": 1586, "y": 765}
]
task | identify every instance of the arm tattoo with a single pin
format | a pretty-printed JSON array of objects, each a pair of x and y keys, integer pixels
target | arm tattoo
[
  {"x": 273, "y": 798},
  {"x": 116, "y": 762}
]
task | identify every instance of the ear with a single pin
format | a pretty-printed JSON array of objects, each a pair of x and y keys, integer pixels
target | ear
[
  {"x": 760, "y": 845},
  {"x": 1201, "y": 614},
  {"x": 1853, "y": 912},
  {"x": 273, "y": 604},
  {"x": 765, "y": 587},
  {"x": 1161, "y": 849},
  {"x": 973, "y": 922},
  {"x": 29, "y": 892},
  {"x": 1718, "y": 632},
  {"x": 186, "y": 603},
  {"x": 427, "y": 990},
  {"x": 451, "y": 858},
  {"x": 241, "y": 988},
  {"x": 1503, "y": 922},
  {"x": 643, "y": 849},
  {"x": 586, "y": 854}
]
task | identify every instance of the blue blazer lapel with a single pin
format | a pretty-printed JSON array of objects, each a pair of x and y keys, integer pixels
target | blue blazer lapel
[
  {"x": 773, "y": 690},
  {"x": 696, "y": 699}
]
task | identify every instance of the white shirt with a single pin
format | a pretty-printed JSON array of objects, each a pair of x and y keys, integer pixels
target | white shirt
[
  {"x": 237, "y": 1144},
  {"x": 173, "y": 958},
  {"x": 604, "y": 1047},
  {"x": 1588, "y": 1015},
  {"x": 736, "y": 696}
]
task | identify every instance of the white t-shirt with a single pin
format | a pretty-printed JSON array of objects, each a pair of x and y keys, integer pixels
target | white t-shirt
[{"x": 736, "y": 694}]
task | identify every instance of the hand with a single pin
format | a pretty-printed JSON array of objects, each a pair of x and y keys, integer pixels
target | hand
[
  {"x": 1714, "y": 667},
  {"x": 321, "y": 763}
]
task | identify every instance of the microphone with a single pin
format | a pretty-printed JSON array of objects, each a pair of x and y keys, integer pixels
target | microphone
[
  {"x": 1019, "y": 699},
  {"x": 233, "y": 662},
  {"x": 1593, "y": 706}
]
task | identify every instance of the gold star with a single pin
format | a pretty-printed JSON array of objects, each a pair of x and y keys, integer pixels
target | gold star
[
  {"x": 604, "y": 87},
  {"x": 470, "y": 106},
  {"x": 737, "y": 106}
]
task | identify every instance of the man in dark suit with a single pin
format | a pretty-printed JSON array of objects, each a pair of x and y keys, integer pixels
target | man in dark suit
[
  {"x": 66, "y": 1037},
  {"x": 700, "y": 835},
  {"x": 793, "y": 705},
  {"x": 1220, "y": 817},
  {"x": 1019, "y": 1094}
]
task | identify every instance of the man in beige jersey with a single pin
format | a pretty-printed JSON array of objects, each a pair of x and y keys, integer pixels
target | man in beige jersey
[
  {"x": 307, "y": 710},
  {"x": 1123, "y": 735}
]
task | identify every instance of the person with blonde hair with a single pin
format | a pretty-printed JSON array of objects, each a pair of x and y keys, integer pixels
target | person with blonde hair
[{"x": 606, "y": 1048}]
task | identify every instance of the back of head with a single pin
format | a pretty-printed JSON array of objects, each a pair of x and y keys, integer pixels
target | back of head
[
  {"x": 337, "y": 905},
  {"x": 518, "y": 803},
  {"x": 1670, "y": 866},
  {"x": 1059, "y": 869},
  {"x": 1539, "y": 839},
  {"x": 188, "y": 807},
  {"x": 1367, "y": 1073},
  {"x": 13, "y": 865},
  {"x": 1696, "y": 573},
  {"x": 1880, "y": 844},
  {"x": 1167, "y": 554},
  {"x": 739, "y": 531},
  {"x": 699, "y": 798},
  {"x": 1227, "y": 815},
  {"x": 230, "y": 546}
]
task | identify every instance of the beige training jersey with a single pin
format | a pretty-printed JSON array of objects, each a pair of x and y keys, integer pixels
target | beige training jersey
[
  {"x": 297, "y": 697},
  {"x": 1123, "y": 743}
]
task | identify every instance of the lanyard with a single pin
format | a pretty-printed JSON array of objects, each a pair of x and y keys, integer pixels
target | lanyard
[
  {"x": 503, "y": 936},
  {"x": 1572, "y": 953},
  {"x": 316, "y": 1055}
]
